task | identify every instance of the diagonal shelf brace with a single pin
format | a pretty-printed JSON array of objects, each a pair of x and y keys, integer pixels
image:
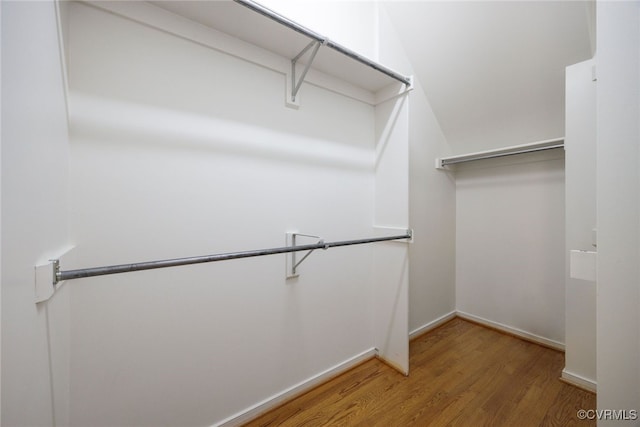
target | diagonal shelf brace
[
  {"x": 292, "y": 262},
  {"x": 295, "y": 85}
]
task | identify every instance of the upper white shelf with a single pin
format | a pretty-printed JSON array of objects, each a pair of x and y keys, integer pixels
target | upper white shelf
[
  {"x": 255, "y": 24},
  {"x": 548, "y": 144}
]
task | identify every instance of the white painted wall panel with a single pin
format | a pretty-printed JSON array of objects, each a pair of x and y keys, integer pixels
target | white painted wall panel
[
  {"x": 618, "y": 189},
  {"x": 35, "y": 339},
  {"x": 431, "y": 197},
  {"x": 510, "y": 243},
  {"x": 180, "y": 150},
  {"x": 390, "y": 259},
  {"x": 432, "y": 211},
  {"x": 580, "y": 170}
]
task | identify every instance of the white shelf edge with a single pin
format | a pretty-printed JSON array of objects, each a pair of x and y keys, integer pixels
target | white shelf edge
[
  {"x": 156, "y": 17},
  {"x": 505, "y": 151}
]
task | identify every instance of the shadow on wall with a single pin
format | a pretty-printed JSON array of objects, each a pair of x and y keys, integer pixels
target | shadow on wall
[{"x": 126, "y": 123}]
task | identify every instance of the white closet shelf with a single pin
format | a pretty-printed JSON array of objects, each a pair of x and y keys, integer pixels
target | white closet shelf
[
  {"x": 532, "y": 147},
  {"x": 253, "y": 23}
]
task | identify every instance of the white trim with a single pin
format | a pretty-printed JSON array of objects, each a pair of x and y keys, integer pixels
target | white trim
[
  {"x": 312, "y": 382},
  {"x": 1, "y": 276},
  {"x": 514, "y": 331},
  {"x": 579, "y": 381},
  {"x": 63, "y": 60},
  {"x": 294, "y": 391},
  {"x": 432, "y": 325},
  {"x": 163, "y": 20}
]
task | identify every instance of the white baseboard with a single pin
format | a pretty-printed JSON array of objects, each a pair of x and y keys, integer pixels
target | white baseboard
[
  {"x": 579, "y": 381},
  {"x": 513, "y": 331},
  {"x": 294, "y": 391},
  {"x": 431, "y": 325},
  {"x": 304, "y": 386}
]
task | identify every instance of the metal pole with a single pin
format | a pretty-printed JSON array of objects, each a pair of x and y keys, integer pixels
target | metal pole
[{"x": 150, "y": 265}]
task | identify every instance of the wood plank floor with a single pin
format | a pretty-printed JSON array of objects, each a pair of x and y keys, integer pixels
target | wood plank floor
[{"x": 461, "y": 374}]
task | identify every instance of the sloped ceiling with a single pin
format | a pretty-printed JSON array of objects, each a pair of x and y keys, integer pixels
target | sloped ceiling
[{"x": 494, "y": 71}]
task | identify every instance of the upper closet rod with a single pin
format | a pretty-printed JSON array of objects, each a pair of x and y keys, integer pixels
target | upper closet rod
[
  {"x": 60, "y": 275},
  {"x": 549, "y": 144},
  {"x": 322, "y": 40}
]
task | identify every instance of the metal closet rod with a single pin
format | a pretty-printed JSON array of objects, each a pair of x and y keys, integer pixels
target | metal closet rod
[
  {"x": 60, "y": 275},
  {"x": 256, "y": 7}
]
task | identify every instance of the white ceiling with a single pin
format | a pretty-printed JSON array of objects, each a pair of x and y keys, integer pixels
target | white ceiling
[{"x": 494, "y": 71}]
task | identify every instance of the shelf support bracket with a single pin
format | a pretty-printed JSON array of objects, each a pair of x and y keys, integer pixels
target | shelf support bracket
[
  {"x": 295, "y": 85},
  {"x": 292, "y": 261}
]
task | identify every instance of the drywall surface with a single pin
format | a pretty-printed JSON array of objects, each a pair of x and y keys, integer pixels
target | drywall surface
[
  {"x": 35, "y": 338},
  {"x": 580, "y": 219},
  {"x": 432, "y": 212},
  {"x": 179, "y": 150},
  {"x": 510, "y": 243},
  {"x": 431, "y": 197},
  {"x": 618, "y": 188},
  {"x": 390, "y": 263}
]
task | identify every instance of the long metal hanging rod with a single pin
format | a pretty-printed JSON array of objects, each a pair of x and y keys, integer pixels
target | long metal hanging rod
[
  {"x": 60, "y": 275},
  {"x": 256, "y": 7}
]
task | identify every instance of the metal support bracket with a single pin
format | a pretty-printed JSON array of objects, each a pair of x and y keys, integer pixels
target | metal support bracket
[
  {"x": 296, "y": 83},
  {"x": 292, "y": 259},
  {"x": 55, "y": 263}
]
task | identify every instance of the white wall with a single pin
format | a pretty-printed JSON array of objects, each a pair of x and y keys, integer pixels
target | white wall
[
  {"x": 181, "y": 150},
  {"x": 432, "y": 212},
  {"x": 391, "y": 259},
  {"x": 510, "y": 244},
  {"x": 0, "y": 219},
  {"x": 618, "y": 189},
  {"x": 483, "y": 99},
  {"x": 35, "y": 338},
  {"x": 580, "y": 220},
  {"x": 431, "y": 197}
]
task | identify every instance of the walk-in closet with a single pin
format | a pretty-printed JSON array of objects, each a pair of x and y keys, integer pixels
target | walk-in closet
[{"x": 211, "y": 210}]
